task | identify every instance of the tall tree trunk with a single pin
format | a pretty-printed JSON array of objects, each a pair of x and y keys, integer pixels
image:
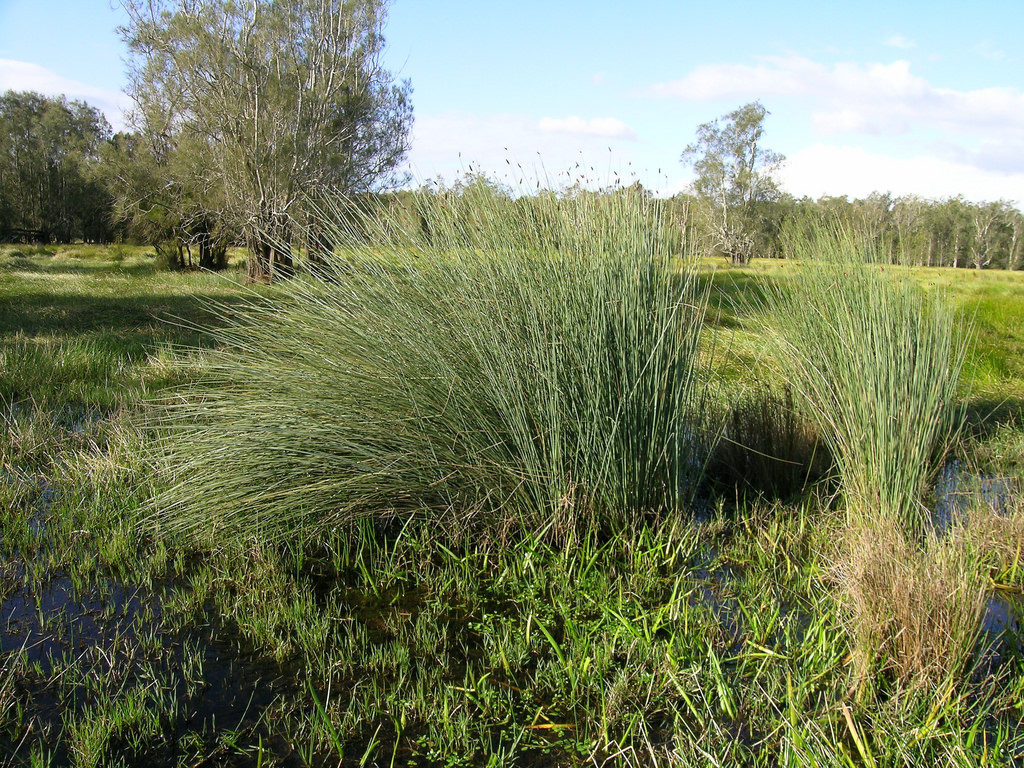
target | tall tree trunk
[
  {"x": 257, "y": 266},
  {"x": 270, "y": 253},
  {"x": 282, "y": 263},
  {"x": 269, "y": 259},
  {"x": 212, "y": 253}
]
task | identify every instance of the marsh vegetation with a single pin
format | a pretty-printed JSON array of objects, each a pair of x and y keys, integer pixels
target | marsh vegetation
[{"x": 511, "y": 484}]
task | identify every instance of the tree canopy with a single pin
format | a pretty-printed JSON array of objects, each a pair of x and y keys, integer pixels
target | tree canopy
[
  {"x": 254, "y": 108},
  {"x": 50, "y": 188},
  {"x": 734, "y": 179}
]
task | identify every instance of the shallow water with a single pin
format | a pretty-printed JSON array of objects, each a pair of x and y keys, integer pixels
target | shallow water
[
  {"x": 64, "y": 639},
  {"x": 1003, "y": 614},
  {"x": 67, "y": 636},
  {"x": 958, "y": 490}
]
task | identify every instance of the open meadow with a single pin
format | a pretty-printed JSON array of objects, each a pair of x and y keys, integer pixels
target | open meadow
[{"x": 752, "y": 590}]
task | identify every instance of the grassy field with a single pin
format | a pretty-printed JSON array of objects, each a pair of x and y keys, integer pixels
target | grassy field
[{"x": 713, "y": 639}]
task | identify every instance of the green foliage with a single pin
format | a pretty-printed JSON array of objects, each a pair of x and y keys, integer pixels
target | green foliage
[
  {"x": 734, "y": 181},
  {"x": 911, "y": 230},
  {"x": 531, "y": 367},
  {"x": 248, "y": 109},
  {"x": 50, "y": 188},
  {"x": 878, "y": 361},
  {"x": 161, "y": 199}
]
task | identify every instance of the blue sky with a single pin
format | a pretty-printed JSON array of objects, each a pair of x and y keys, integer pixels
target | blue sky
[{"x": 911, "y": 97}]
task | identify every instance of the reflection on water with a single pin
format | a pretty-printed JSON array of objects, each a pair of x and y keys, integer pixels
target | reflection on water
[
  {"x": 958, "y": 490},
  {"x": 1003, "y": 613}
]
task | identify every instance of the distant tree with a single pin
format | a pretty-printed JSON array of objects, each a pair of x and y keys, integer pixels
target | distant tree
[
  {"x": 734, "y": 180},
  {"x": 908, "y": 217},
  {"x": 985, "y": 220},
  {"x": 274, "y": 101},
  {"x": 1015, "y": 259},
  {"x": 953, "y": 232},
  {"x": 995, "y": 236},
  {"x": 49, "y": 151}
]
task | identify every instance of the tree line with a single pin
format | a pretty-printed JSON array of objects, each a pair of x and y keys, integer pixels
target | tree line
[
  {"x": 737, "y": 209},
  {"x": 247, "y": 115},
  {"x": 52, "y": 187},
  {"x": 949, "y": 232}
]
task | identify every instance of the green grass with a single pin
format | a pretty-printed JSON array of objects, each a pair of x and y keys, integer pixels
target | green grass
[
  {"x": 484, "y": 382},
  {"x": 90, "y": 333},
  {"x": 990, "y": 303},
  {"x": 668, "y": 642}
]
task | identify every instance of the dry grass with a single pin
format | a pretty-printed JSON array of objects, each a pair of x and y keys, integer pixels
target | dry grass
[
  {"x": 914, "y": 609},
  {"x": 998, "y": 538}
]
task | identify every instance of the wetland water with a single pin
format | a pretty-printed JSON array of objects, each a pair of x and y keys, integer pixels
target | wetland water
[
  {"x": 957, "y": 492},
  {"x": 60, "y": 634}
]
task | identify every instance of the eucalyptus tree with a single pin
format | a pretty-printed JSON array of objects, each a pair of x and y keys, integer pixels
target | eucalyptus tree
[
  {"x": 734, "y": 180},
  {"x": 909, "y": 233},
  {"x": 273, "y": 102},
  {"x": 997, "y": 232},
  {"x": 1015, "y": 259}
]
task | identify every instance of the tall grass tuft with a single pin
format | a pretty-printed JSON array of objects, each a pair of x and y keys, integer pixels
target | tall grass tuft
[
  {"x": 878, "y": 361},
  {"x": 494, "y": 365}
]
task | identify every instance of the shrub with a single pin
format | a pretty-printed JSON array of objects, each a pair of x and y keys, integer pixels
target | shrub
[
  {"x": 168, "y": 256},
  {"x": 118, "y": 252},
  {"x": 524, "y": 367}
]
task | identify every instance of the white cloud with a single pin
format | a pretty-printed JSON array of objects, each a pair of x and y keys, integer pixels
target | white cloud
[
  {"x": 598, "y": 79},
  {"x": 826, "y": 169},
  {"x": 901, "y": 42},
  {"x": 880, "y": 99},
  {"x": 607, "y": 127},
  {"x": 26, "y": 76},
  {"x": 774, "y": 76}
]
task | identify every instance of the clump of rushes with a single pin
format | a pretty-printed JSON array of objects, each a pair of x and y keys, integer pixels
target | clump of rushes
[
  {"x": 485, "y": 363},
  {"x": 878, "y": 361}
]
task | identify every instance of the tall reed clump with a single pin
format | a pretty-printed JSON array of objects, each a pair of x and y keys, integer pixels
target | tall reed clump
[
  {"x": 498, "y": 364},
  {"x": 877, "y": 360}
]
